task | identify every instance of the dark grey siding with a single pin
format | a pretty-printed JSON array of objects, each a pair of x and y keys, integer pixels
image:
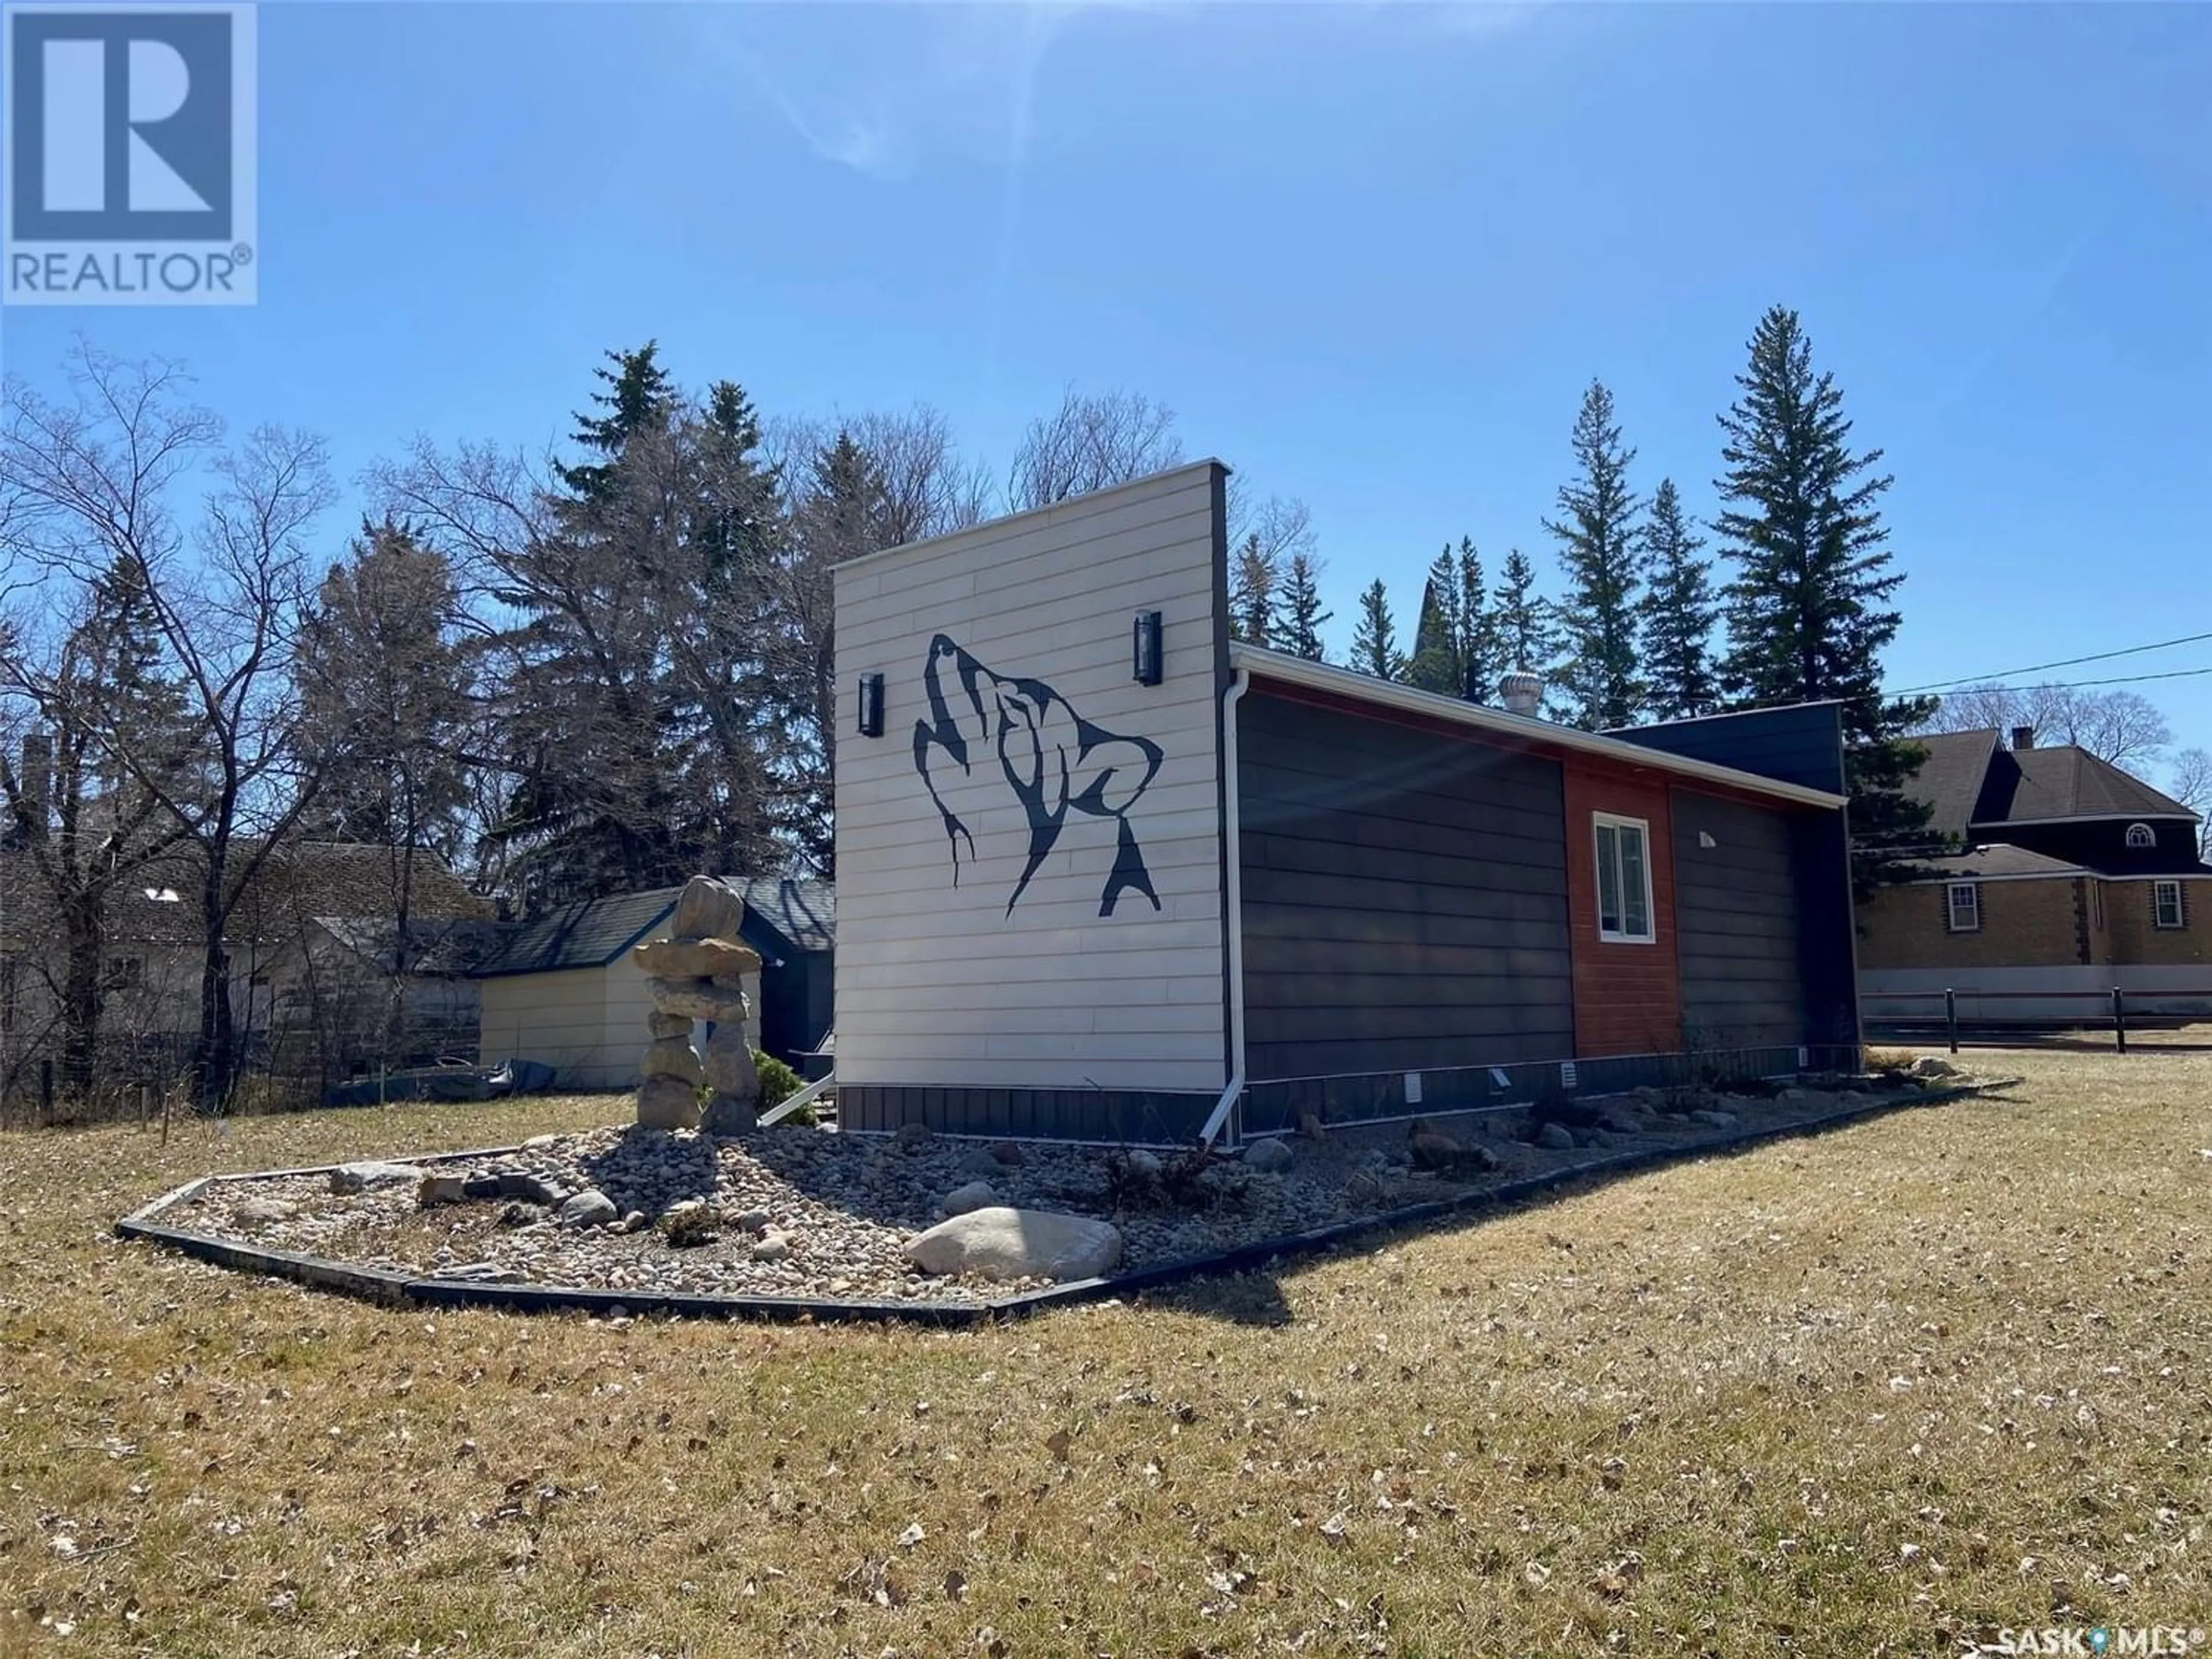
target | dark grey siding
[
  {"x": 1737, "y": 919},
  {"x": 1405, "y": 898},
  {"x": 1801, "y": 744},
  {"x": 795, "y": 1006}
]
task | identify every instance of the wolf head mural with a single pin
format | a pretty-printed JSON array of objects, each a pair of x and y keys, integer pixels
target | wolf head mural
[{"x": 1052, "y": 759}]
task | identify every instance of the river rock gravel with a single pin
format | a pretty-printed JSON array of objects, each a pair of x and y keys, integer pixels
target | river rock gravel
[{"x": 793, "y": 1211}]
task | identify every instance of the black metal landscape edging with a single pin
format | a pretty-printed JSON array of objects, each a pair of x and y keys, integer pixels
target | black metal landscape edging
[{"x": 385, "y": 1285}]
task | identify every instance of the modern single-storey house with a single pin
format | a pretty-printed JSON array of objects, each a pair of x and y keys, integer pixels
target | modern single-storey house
[
  {"x": 2058, "y": 872},
  {"x": 1105, "y": 874},
  {"x": 561, "y": 989}
]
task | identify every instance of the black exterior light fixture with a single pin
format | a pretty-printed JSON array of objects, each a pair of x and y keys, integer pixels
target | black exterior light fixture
[
  {"x": 1144, "y": 658},
  {"x": 871, "y": 705}
]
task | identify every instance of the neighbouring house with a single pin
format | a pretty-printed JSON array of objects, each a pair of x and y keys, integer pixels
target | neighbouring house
[
  {"x": 561, "y": 989},
  {"x": 1105, "y": 874},
  {"x": 2056, "y": 873},
  {"x": 313, "y": 945}
]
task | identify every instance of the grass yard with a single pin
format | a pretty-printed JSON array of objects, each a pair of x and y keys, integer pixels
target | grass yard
[{"x": 1874, "y": 1392}]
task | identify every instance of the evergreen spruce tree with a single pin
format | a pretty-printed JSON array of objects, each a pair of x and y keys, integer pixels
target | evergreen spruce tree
[
  {"x": 1437, "y": 664},
  {"x": 1678, "y": 612},
  {"x": 1302, "y": 613},
  {"x": 1481, "y": 669},
  {"x": 1374, "y": 641},
  {"x": 1254, "y": 576},
  {"x": 1521, "y": 621},
  {"x": 1811, "y": 607},
  {"x": 1598, "y": 678}
]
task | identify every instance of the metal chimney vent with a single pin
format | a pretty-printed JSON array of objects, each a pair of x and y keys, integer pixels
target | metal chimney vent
[{"x": 1522, "y": 692}]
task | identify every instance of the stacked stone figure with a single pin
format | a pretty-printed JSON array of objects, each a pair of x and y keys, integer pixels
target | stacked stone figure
[{"x": 699, "y": 973}]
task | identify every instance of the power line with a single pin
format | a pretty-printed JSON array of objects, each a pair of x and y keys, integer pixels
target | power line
[
  {"x": 2064, "y": 662},
  {"x": 2081, "y": 685}
]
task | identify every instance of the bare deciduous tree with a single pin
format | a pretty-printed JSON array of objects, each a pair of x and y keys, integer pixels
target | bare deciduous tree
[
  {"x": 2116, "y": 726},
  {"x": 90, "y": 480},
  {"x": 1091, "y": 441},
  {"x": 2190, "y": 783}
]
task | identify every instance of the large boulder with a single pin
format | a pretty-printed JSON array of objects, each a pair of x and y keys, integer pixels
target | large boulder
[
  {"x": 708, "y": 908},
  {"x": 998, "y": 1242},
  {"x": 696, "y": 999},
  {"x": 667, "y": 1102},
  {"x": 1268, "y": 1155},
  {"x": 589, "y": 1208},
  {"x": 973, "y": 1195},
  {"x": 696, "y": 958},
  {"x": 673, "y": 1057}
]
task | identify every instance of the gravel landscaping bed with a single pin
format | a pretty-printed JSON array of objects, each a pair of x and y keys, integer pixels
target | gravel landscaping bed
[{"x": 794, "y": 1212}]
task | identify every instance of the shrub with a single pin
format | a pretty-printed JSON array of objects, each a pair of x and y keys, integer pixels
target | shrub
[{"x": 778, "y": 1084}]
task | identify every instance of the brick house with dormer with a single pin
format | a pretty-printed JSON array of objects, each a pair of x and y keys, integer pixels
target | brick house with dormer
[{"x": 2062, "y": 872}]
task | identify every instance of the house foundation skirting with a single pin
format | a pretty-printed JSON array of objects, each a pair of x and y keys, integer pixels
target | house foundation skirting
[{"x": 1275, "y": 1106}]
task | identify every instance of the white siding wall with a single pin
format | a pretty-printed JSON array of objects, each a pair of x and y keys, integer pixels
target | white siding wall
[
  {"x": 940, "y": 985},
  {"x": 559, "y": 1019}
]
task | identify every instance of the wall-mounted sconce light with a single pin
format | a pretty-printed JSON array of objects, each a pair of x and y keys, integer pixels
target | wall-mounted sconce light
[
  {"x": 871, "y": 705},
  {"x": 1145, "y": 663}
]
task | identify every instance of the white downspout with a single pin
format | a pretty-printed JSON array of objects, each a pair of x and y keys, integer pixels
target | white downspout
[{"x": 1232, "y": 899}]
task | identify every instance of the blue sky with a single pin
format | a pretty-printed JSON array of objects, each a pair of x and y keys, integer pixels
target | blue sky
[{"x": 1371, "y": 255}]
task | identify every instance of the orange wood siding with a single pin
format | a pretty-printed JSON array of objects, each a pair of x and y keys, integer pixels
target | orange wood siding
[{"x": 1628, "y": 997}]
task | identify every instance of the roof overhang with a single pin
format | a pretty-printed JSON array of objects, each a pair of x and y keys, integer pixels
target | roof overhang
[
  {"x": 2088, "y": 818},
  {"x": 1520, "y": 729}
]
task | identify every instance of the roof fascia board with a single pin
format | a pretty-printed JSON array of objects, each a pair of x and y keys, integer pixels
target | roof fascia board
[
  {"x": 2088, "y": 818},
  {"x": 1363, "y": 688}
]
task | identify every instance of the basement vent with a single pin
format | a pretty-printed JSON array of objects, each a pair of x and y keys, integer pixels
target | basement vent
[{"x": 1566, "y": 1074}]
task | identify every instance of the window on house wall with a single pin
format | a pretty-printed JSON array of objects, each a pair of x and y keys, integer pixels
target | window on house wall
[
  {"x": 1624, "y": 880},
  {"x": 11, "y": 1011},
  {"x": 2165, "y": 909},
  {"x": 2097, "y": 905},
  {"x": 125, "y": 973},
  {"x": 2140, "y": 835},
  {"x": 1964, "y": 906}
]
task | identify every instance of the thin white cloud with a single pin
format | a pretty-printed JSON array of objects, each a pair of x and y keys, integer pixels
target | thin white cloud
[{"x": 864, "y": 139}]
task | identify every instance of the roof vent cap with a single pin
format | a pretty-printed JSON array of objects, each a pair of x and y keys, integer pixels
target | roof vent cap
[{"x": 1522, "y": 691}]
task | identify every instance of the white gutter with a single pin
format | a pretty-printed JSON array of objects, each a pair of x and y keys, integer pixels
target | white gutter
[
  {"x": 1366, "y": 688},
  {"x": 799, "y": 1097},
  {"x": 1232, "y": 901}
]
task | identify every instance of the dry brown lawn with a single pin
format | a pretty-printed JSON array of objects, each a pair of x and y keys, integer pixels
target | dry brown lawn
[{"x": 1872, "y": 1392}]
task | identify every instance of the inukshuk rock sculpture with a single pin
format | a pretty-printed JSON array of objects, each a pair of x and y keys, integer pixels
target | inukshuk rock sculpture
[{"x": 699, "y": 973}]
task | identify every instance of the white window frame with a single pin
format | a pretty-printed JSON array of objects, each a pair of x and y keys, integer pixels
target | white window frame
[
  {"x": 1972, "y": 889},
  {"x": 2141, "y": 836},
  {"x": 1620, "y": 934},
  {"x": 2159, "y": 890}
]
